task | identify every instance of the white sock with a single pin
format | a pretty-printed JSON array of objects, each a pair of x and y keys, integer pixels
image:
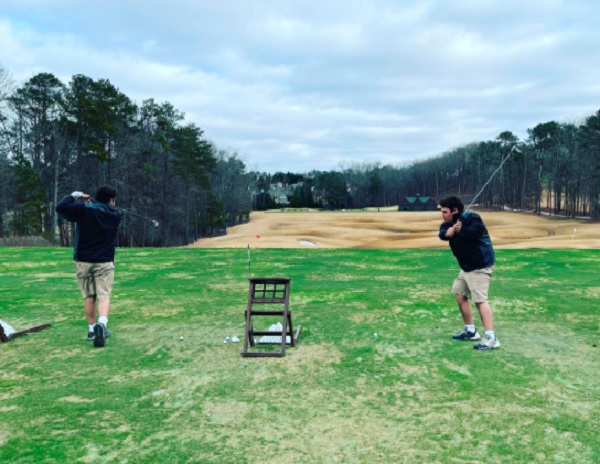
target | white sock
[
  {"x": 470, "y": 328},
  {"x": 91, "y": 327},
  {"x": 103, "y": 320},
  {"x": 490, "y": 334}
]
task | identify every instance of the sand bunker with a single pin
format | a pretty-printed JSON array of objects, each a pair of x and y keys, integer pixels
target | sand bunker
[
  {"x": 397, "y": 230},
  {"x": 306, "y": 243}
]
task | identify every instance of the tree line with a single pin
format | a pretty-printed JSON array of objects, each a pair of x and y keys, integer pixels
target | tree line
[
  {"x": 556, "y": 170},
  {"x": 57, "y": 137}
]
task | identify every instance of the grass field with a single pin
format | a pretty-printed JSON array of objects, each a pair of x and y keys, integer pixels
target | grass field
[{"x": 408, "y": 395}]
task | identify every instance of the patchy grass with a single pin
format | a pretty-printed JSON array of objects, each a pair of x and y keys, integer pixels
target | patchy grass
[{"x": 343, "y": 395}]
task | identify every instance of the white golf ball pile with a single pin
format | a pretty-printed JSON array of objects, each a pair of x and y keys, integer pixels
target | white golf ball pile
[
  {"x": 272, "y": 338},
  {"x": 233, "y": 339}
]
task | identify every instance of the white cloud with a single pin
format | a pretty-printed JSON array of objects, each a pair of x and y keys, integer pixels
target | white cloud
[{"x": 304, "y": 85}]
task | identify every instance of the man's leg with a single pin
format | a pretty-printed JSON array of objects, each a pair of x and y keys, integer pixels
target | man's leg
[
  {"x": 465, "y": 309},
  {"x": 490, "y": 342},
  {"x": 100, "y": 330},
  {"x": 103, "y": 306},
  {"x": 479, "y": 284},
  {"x": 86, "y": 283},
  {"x": 90, "y": 309},
  {"x": 486, "y": 316},
  {"x": 469, "y": 332},
  {"x": 104, "y": 275}
]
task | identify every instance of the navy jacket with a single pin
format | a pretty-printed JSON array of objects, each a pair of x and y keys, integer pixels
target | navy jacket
[
  {"x": 472, "y": 246},
  {"x": 95, "y": 230}
]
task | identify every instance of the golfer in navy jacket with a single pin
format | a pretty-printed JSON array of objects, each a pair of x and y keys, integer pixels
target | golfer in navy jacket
[
  {"x": 471, "y": 245},
  {"x": 96, "y": 227}
]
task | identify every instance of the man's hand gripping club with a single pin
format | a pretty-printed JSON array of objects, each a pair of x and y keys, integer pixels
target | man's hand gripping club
[{"x": 455, "y": 229}]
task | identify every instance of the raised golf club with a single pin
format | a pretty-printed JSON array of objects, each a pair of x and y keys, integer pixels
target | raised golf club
[{"x": 155, "y": 223}]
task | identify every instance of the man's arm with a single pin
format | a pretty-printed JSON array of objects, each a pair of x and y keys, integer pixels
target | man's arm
[
  {"x": 472, "y": 228},
  {"x": 68, "y": 208},
  {"x": 444, "y": 232}
]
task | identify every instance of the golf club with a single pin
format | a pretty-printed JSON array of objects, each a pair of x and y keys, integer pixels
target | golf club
[
  {"x": 155, "y": 223},
  {"x": 514, "y": 149}
]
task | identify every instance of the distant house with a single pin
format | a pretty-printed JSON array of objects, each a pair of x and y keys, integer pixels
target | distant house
[
  {"x": 281, "y": 192},
  {"x": 417, "y": 203},
  {"x": 279, "y": 195}
]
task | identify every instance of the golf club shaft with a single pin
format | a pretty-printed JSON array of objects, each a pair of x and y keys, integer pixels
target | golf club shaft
[
  {"x": 504, "y": 160},
  {"x": 154, "y": 221}
]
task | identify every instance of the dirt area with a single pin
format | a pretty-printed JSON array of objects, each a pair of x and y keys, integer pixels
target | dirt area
[{"x": 392, "y": 229}]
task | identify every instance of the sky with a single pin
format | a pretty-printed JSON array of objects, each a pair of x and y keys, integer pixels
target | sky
[{"x": 301, "y": 85}]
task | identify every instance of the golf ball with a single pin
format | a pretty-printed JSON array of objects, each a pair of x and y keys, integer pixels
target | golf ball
[{"x": 181, "y": 338}]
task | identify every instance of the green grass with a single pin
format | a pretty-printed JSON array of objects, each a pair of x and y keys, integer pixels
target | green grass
[{"x": 411, "y": 394}]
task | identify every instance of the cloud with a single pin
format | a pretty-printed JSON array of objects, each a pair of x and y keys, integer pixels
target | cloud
[{"x": 302, "y": 85}]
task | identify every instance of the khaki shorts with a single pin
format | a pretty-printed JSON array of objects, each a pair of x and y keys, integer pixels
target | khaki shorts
[
  {"x": 95, "y": 278},
  {"x": 474, "y": 285}
]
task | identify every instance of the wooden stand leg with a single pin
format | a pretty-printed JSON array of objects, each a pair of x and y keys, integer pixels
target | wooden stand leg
[
  {"x": 36, "y": 328},
  {"x": 3, "y": 337}
]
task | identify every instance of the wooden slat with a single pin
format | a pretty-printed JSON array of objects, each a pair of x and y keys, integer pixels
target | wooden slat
[{"x": 268, "y": 300}]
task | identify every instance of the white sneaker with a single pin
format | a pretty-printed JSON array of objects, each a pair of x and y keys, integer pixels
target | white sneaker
[{"x": 488, "y": 343}]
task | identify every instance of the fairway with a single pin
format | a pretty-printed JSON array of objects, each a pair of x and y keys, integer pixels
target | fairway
[{"x": 409, "y": 394}]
